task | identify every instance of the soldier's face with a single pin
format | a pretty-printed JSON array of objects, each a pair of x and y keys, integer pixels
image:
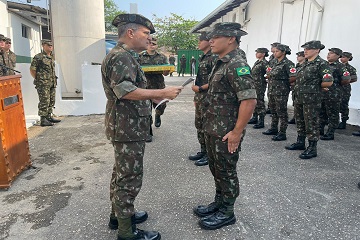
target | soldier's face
[
  {"x": 219, "y": 44},
  {"x": 300, "y": 58},
  {"x": 47, "y": 48},
  {"x": 344, "y": 59},
  {"x": 202, "y": 45},
  {"x": 2, "y": 44},
  {"x": 310, "y": 53},
  {"x": 259, "y": 55},
  {"x": 278, "y": 53},
  {"x": 141, "y": 38},
  {"x": 7, "y": 46},
  {"x": 332, "y": 57}
]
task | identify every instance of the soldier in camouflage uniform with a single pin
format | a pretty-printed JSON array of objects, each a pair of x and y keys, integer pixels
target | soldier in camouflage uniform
[
  {"x": 311, "y": 77},
  {"x": 9, "y": 57},
  {"x": 346, "y": 89},
  {"x": 154, "y": 80},
  {"x": 272, "y": 61},
  {"x": 300, "y": 57},
  {"x": 127, "y": 121},
  {"x": 258, "y": 72},
  {"x": 172, "y": 62},
  {"x": 182, "y": 65},
  {"x": 3, "y": 70},
  {"x": 200, "y": 88},
  {"x": 282, "y": 72},
  {"x": 231, "y": 91},
  {"x": 330, "y": 106},
  {"x": 42, "y": 69}
]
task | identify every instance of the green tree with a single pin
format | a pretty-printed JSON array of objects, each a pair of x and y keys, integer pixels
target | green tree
[
  {"x": 173, "y": 32},
  {"x": 111, "y": 11}
]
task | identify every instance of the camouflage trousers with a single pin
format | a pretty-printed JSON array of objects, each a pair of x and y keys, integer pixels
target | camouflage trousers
[
  {"x": 278, "y": 107},
  {"x": 344, "y": 105},
  {"x": 329, "y": 113},
  {"x": 222, "y": 165},
  {"x": 127, "y": 176},
  {"x": 46, "y": 99},
  {"x": 307, "y": 120},
  {"x": 260, "y": 104},
  {"x": 199, "y": 125}
]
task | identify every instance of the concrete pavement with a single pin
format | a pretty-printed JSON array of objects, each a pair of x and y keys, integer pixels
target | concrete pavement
[{"x": 281, "y": 197}]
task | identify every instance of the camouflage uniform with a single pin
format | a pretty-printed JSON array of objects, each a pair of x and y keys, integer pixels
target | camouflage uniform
[
  {"x": 127, "y": 124},
  {"x": 3, "y": 70},
  {"x": 154, "y": 80},
  {"x": 346, "y": 93},
  {"x": 278, "y": 92},
  {"x": 182, "y": 65},
  {"x": 205, "y": 66},
  {"x": 172, "y": 62},
  {"x": 10, "y": 61},
  {"x": 242, "y": 54},
  {"x": 230, "y": 82},
  {"x": 258, "y": 71},
  {"x": 330, "y": 105},
  {"x": 45, "y": 82}
]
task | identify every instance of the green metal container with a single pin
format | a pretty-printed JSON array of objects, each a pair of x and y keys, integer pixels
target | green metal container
[{"x": 188, "y": 54}]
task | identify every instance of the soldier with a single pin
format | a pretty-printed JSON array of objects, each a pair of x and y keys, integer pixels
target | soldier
[
  {"x": 330, "y": 106},
  {"x": 231, "y": 91},
  {"x": 182, "y": 65},
  {"x": 192, "y": 66},
  {"x": 312, "y": 76},
  {"x": 9, "y": 57},
  {"x": 300, "y": 57},
  {"x": 271, "y": 63},
  {"x": 280, "y": 75},
  {"x": 3, "y": 69},
  {"x": 346, "y": 89},
  {"x": 258, "y": 72},
  {"x": 127, "y": 121},
  {"x": 200, "y": 88},
  {"x": 154, "y": 80},
  {"x": 172, "y": 62},
  {"x": 42, "y": 69}
]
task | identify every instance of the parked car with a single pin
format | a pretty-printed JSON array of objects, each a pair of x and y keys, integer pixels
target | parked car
[{"x": 109, "y": 44}]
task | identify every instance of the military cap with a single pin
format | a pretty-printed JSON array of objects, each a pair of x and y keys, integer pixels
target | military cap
[
  {"x": 315, "y": 44},
  {"x": 347, "y": 55},
  {"x": 300, "y": 54},
  {"x": 284, "y": 48},
  {"x": 46, "y": 41},
  {"x": 2, "y": 37},
  {"x": 204, "y": 36},
  {"x": 337, "y": 51},
  {"x": 262, "y": 50},
  {"x": 274, "y": 44},
  {"x": 123, "y": 19},
  {"x": 227, "y": 29},
  {"x": 7, "y": 40}
]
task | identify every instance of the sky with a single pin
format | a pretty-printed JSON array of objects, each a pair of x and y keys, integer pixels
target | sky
[{"x": 189, "y": 9}]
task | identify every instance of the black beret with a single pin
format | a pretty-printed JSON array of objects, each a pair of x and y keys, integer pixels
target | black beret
[
  {"x": 227, "y": 29},
  {"x": 313, "y": 45},
  {"x": 337, "y": 51},
  {"x": 123, "y": 19}
]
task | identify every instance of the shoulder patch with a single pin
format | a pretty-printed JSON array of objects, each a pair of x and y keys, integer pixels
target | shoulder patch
[
  {"x": 293, "y": 70},
  {"x": 243, "y": 71}
]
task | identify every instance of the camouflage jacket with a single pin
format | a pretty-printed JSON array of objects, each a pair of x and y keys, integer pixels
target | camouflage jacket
[
  {"x": 257, "y": 72},
  {"x": 230, "y": 82},
  {"x": 206, "y": 64},
  {"x": 279, "y": 75},
  {"x": 339, "y": 73},
  {"x": 353, "y": 76},
  {"x": 172, "y": 60},
  {"x": 44, "y": 66},
  {"x": 157, "y": 59},
  {"x": 10, "y": 61},
  {"x": 309, "y": 78},
  {"x": 272, "y": 60},
  {"x": 3, "y": 70},
  {"x": 125, "y": 120},
  {"x": 183, "y": 61},
  {"x": 242, "y": 54}
]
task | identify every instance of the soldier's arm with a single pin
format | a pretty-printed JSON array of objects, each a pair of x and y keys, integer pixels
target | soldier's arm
[
  {"x": 33, "y": 66},
  {"x": 345, "y": 77},
  {"x": 324, "y": 74},
  {"x": 147, "y": 94}
]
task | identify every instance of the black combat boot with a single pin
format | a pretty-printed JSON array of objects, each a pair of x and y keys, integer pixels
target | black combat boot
[
  {"x": 202, "y": 161},
  {"x": 137, "y": 218},
  {"x": 321, "y": 129},
  {"x": 310, "y": 152},
  {"x": 261, "y": 123},
  {"x": 198, "y": 155},
  {"x": 224, "y": 217},
  {"x": 356, "y": 133},
  {"x": 129, "y": 231},
  {"x": 279, "y": 137},
  {"x": 44, "y": 122},
  {"x": 342, "y": 125},
  {"x": 329, "y": 135},
  {"x": 271, "y": 131},
  {"x": 291, "y": 121},
  {"x": 254, "y": 119},
  {"x": 299, "y": 145},
  {"x": 53, "y": 120},
  {"x": 157, "y": 120},
  {"x": 268, "y": 111},
  {"x": 206, "y": 210}
]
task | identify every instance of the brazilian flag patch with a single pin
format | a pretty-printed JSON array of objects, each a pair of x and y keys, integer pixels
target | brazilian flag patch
[{"x": 243, "y": 71}]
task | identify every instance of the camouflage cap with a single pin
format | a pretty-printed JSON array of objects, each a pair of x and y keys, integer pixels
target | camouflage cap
[
  {"x": 284, "y": 48},
  {"x": 274, "y": 44},
  {"x": 7, "y": 40},
  {"x": 315, "y": 44},
  {"x": 347, "y": 55},
  {"x": 123, "y": 19},
  {"x": 337, "y": 51},
  {"x": 46, "y": 41},
  {"x": 204, "y": 36},
  {"x": 262, "y": 50},
  {"x": 227, "y": 29},
  {"x": 2, "y": 37},
  {"x": 300, "y": 54}
]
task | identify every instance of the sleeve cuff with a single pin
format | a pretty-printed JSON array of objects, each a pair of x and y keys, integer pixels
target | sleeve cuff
[
  {"x": 247, "y": 94},
  {"x": 124, "y": 88}
]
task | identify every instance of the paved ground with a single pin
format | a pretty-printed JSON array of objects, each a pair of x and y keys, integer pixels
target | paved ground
[{"x": 282, "y": 197}]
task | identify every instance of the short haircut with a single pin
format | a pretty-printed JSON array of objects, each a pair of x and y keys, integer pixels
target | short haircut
[{"x": 123, "y": 28}]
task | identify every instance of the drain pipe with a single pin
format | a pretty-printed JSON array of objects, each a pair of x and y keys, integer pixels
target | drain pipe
[
  {"x": 282, "y": 17},
  {"x": 317, "y": 21}
]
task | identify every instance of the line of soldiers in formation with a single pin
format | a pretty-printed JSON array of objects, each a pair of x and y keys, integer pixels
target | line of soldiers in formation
[{"x": 7, "y": 57}]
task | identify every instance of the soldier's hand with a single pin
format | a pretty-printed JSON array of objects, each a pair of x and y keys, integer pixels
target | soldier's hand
[
  {"x": 325, "y": 89},
  {"x": 233, "y": 140},
  {"x": 172, "y": 92},
  {"x": 195, "y": 88}
]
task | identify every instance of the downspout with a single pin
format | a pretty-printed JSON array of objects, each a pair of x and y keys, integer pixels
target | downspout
[
  {"x": 282, "y": 17},
  {"x": 317, "y": 20}
]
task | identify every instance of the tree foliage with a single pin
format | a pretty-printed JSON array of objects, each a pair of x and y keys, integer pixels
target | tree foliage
[
  {"x": 111, "y": 11},
  {"x": 173, "y": 32}
]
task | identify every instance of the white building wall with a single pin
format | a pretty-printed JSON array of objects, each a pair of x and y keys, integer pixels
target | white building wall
[{"x": 4, "y": 18}]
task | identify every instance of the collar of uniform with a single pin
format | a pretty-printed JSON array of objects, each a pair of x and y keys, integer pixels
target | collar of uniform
[
  {"x": 146, "y": 53},
  {"x": 126, "y": 48},
  {"x": 229, "y": 56},
  {"x": 334, "y": 63},
  {"x": 45, "y": 54}
]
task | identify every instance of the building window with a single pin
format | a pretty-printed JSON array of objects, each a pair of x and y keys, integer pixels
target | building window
[{"x": 25, "y": 31}]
